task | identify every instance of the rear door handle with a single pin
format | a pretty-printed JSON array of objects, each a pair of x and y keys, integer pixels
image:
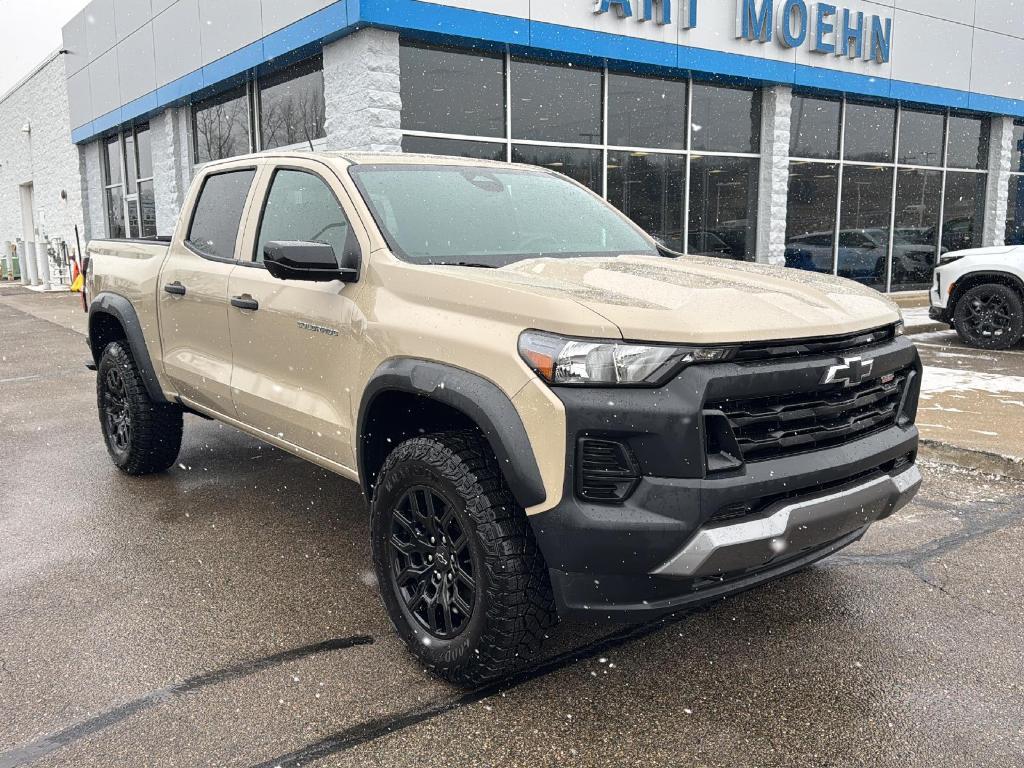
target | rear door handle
[
  {"x": 245, "y": 302},
  {"x": 175, "y": 288}
]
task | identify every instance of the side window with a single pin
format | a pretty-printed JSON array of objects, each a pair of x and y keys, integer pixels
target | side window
[
  {"x": 300, "y": 206},
  {"x": 218, "y": 213}
]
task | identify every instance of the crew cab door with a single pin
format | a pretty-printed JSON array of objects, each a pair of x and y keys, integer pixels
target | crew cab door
[
  {"x": 193, "y": 289},
  {"x": 296, "y": 347}
]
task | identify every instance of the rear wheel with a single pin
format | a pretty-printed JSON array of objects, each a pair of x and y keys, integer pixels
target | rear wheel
[
  {"x": 990, "y": 316},
  {"x": 460, "y": 573},
  {"x": 142, "y": 436}
]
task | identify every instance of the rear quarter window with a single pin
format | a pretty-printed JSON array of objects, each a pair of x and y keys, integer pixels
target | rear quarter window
[{"x": 218, "y": 213}]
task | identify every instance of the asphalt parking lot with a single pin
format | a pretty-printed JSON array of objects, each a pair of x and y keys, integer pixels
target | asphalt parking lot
[{"x": 225, "y": 614}]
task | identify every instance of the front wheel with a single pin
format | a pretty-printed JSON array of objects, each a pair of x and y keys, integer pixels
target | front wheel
[
  {"x": 142, "y": 436},
  {"x": 459, "y": 571},
  {"x": 990, "y": 316}
]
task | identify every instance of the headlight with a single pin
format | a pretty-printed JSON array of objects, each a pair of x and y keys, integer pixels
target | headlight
[
  {"x": 581, "y": 362},
  {"x": 901, "y": 326},
  {"x": 949, "y": 258}
]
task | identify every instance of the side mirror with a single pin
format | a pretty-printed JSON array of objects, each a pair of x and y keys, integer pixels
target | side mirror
[{"x": 297, "y": 260}]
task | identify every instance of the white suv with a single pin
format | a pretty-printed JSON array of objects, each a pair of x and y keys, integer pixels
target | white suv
[{"x": 980, "y": 293}]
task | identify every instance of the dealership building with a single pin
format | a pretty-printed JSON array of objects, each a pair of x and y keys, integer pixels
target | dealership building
[{"x": 859, "y": 138}]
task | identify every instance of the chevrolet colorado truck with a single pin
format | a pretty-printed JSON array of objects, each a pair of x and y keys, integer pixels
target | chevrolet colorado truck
[
  {"x": 980, "y": 293},
  {"x": 549, "y": 413}
]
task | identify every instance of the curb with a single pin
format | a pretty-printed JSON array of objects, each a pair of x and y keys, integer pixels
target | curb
[
  {"x": 990, "y": 463},
  {"x": 916, "y": 330}
]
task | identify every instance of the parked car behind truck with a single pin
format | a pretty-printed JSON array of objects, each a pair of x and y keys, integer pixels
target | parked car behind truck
[{"x": 548, "y": 413}]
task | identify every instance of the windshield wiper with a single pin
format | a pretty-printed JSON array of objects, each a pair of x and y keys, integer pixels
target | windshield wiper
[{"x": 477, "y": 264}]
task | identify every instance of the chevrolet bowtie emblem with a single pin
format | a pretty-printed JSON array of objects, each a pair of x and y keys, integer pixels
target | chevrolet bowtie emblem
[{"x": 852, "y": 371}]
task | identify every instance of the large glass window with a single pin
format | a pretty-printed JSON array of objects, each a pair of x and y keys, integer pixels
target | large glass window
[
  {"x": 218, "y": 213},
  {"x": 921, "y": 135},
  {"x": 646, "y": 112},
  {"x": 643, "y": 149},
  {"x": 300, "y": 206},
  {"x": 864, "y": 213},
  {"x": 291, "y": 105},
  {"x": 886, "y": 237},
  {"x": 556, "y": 102},
  {"x": 814, "y": 127},
  {"x": 1015, "y": 208},
  {"x": 811, "y": 216},
  {"x": 869, "y": 133},
  {"x": 725, "y": 119},
  {"x": 651, "y": 189},
  {"x": 723, "y": 193},
  {"x": 916, "y": 230},
  {"x": 222, "y": 126},
  {"x": 448, "y": 91},
  {"x": 128, "y": 183},
  {"x": 963, "y": 211}
]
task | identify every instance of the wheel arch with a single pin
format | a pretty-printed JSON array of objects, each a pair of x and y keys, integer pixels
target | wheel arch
[
  {"x": 983, "y": 277},
  {"x": 407, "y": 396},
  {"x": 113, "y": 318}
]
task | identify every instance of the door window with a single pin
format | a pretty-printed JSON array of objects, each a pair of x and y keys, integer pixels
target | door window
[
  {"x": 218, "y": 213},
  {"x": 302, "y": 207}
]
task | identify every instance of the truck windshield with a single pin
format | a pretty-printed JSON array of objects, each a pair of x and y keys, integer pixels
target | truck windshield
[{"x": 491, "y": 217}]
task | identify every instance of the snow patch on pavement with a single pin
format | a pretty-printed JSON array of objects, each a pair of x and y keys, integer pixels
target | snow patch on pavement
[{"x": 948, "y": 379}]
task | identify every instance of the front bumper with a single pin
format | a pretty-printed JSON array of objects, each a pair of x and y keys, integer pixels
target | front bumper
[{"x": 675, "y": 541}]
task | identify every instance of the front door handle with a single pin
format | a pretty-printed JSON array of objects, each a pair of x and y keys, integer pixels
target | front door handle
[
  {"x": 245, "y": 301},
  {"x": 175, "y": 288}
]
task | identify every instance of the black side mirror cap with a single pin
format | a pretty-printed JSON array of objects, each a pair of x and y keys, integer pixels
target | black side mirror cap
[{"x": 298, "y": 260}]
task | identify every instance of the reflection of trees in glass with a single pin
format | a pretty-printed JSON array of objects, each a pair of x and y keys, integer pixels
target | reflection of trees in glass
[
  {"x": 222, "y": 128},
  {"x": 292, "y": 111}
]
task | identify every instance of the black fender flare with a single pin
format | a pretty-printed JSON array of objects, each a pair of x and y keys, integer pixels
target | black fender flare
[
  {"x": 479, "y": 399},
  {"x": 122, "y": 310}
]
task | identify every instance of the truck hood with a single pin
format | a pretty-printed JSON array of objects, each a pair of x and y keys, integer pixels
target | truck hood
[{"x": 702, "y": 300}]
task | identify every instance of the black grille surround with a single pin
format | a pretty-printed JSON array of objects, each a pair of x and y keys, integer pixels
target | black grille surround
[
  {"x": 846, "y": 344},
  {"x": 776, "y": 426}
]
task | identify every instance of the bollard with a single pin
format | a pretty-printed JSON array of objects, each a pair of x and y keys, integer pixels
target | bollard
[
  {"x": 43, "y": 264},
  {"x": 30, "y": 263},
  {"x": 22, "y": 259},
  {"x": 9, "y": 260}
]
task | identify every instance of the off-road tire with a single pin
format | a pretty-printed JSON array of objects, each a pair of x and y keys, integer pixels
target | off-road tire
[
  {"x": 153, "y": 436},
  {"x": 976, "y": 330},
  {"x": 512, "y": 601}
]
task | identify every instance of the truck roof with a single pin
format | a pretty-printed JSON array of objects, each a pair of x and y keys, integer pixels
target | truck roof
[{"x": 368, "y": 158}]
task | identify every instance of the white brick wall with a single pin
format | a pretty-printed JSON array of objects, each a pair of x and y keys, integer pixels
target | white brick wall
[
  {"x": 46, "y": 158},
  {"x": 363, "y": 93},
  {"x": 997, "y": 194},
  {"x": 773, "y": 184},
  {"x": 91, "y": 181},
  {"x": 172, "y": 167}
]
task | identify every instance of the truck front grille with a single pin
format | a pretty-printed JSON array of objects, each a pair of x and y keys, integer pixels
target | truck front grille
[{"x": 783, "y": 425}]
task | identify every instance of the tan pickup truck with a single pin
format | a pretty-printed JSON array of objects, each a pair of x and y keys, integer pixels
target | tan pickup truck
[{"x": 548, "y": 413}]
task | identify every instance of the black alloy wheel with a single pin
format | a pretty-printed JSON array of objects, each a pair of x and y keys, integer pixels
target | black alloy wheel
[
  {"x": 990, "y": 316},
  {"x": 431, "y": 562},
  {"x": 116, "y": 411}
]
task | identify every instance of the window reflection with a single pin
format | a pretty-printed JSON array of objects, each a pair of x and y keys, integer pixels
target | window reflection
[
  {"x": 968, "y": 142},
  {"x": 430, "y": 145},
  {"x": 650, "y": 189},
  {"x": 1015, "y": 212},
  {"x": 452, "y": 91},
  {"x": 870, "y": 132},
  {"x": 723, "y": 206},
  {"x": 811, "y": 216},
  {"x": 725, "y": 119},
  {"x": 915, "y": 238},
  {"x": 921, "y": 137},
  {"x": 815, "y": 128},
  {"x": 583, "y": 165},
  {"x": 646, "y": 112},
  {"x": 963, "y": 211},
  {"x": 554, "y": 102},
  {"x": 865, "y": 211},
  {"x": 292, "y": 105},
  {"x": 222, "y": 126}
]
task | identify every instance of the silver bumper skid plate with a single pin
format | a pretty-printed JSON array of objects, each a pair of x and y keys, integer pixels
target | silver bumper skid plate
[{"x": 791, "y": 528}]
